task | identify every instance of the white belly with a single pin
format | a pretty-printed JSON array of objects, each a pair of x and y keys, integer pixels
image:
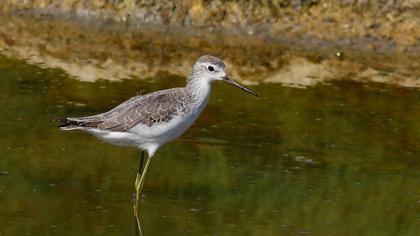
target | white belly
[
  {"x": 149, "y": 138},
  {"x": 164, "y": 132}
]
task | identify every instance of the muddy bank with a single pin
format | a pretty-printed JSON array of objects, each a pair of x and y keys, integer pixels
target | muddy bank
[
  {"x": 396, "y": 21},
  {"x": 90, "y": 50}
]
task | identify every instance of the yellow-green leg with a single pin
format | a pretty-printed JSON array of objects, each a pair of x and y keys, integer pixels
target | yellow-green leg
[
  {"x": 141, "y": 176},
  {"x": 137, "y": 182},
  {"x": 139, "y": 186},
  {"x": 140, "y": 183},
  {"x": 138, "y": 228}
]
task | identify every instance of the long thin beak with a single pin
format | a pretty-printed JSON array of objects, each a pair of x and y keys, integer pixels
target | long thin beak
[{"x": 236, "y": 84}]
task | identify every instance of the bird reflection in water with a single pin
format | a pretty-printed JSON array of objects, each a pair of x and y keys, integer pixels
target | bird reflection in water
[{"x": 138, "y": 230}]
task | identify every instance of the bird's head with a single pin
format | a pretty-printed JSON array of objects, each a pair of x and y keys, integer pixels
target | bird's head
[{"x": 209, "y": 68}]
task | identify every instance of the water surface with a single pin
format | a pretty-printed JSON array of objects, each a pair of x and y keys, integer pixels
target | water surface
[{"x": 334, "y": 159}]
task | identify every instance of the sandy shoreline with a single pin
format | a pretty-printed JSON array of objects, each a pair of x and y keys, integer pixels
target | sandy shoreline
[{"x": 89, "y": 49}]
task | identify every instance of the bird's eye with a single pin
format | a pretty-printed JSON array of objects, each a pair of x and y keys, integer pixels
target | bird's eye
[{"x": 210, "y": 68}]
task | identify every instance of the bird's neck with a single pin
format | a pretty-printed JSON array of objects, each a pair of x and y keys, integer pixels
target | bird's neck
[{"x": 199, "y": 89}]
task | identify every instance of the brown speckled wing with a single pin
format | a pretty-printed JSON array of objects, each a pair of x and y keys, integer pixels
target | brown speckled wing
[{"x": 149, "y": 109}]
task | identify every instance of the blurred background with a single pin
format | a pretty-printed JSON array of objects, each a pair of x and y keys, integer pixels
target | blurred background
[{"x": 330, "y": 148}]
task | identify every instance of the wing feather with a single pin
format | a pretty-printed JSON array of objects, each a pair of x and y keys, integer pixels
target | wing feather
[{"x": 149, "y": 109}]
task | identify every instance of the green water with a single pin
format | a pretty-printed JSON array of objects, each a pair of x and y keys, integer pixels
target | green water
[{"x": 337, "y": 159}]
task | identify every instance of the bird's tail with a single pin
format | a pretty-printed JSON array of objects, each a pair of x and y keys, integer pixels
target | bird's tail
[
  {"x": 66, "y": 123},
  {"x": 71, "y": 123}
]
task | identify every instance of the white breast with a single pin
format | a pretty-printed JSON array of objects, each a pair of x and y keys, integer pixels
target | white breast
[{"x": 161, "y": 133}]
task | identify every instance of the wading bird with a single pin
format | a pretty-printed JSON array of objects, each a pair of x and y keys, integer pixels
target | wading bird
[{"x": 151, "y": 120}]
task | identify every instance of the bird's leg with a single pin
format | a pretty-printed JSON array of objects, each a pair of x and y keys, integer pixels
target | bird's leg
[
  {"x": 137, "y": 182},
  {"x": 139, "y": 187},
  {"x": 141, "y": 175},
  {"x": 138, "y": 228},
  {"x": 140, "y": 167}
]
